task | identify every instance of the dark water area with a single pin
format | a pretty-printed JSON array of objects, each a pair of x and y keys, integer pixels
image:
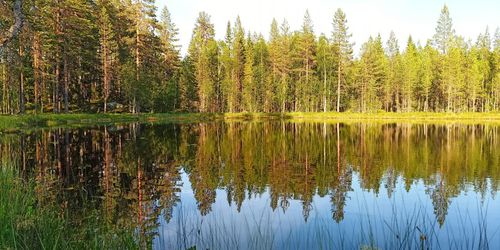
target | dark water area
[{"x": 274, "y": 184}]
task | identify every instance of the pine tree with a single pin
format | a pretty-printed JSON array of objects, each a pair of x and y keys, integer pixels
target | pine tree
[
  {"x": 108, "y": 51},
  {"x": 340, "y": 39},
  {"x": 226, "y": 61},
  {"x": 272, "y": 95},
  {"x": 411, "y": 66},
  {"x": 249, "y": 86},
  {"x": 495, "y": 82},
  {"x": 188, "y": 94},
  {"x": 325, "y": 67},
  {"x": 144, "y": 46},
  {"x": 485, "y": 67},
  {"x": 453, "y": 76},
  {"x": 391, "y": 88},
  {"x": 238, "y": 54},
  {"x": 427, "y": 73},
  {"x": 200, "y": 51},
  {"x": 81, "y": 55},
  {"x": 261, "y": 75},
  {"x": 474, "y": 79},
  {"x": 280, "y": 59},
  {"x": 372, "y": 73},
  {"x": 305, "y": 57}
]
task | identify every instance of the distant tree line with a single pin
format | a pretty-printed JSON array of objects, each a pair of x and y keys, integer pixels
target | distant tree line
[{"x": 112, "y": 55}]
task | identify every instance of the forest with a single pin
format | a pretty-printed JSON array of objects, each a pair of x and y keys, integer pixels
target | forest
[{"x": 94, "y": 56}]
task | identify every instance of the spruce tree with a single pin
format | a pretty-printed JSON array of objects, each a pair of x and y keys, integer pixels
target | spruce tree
[{"x": 444, "y": 31}]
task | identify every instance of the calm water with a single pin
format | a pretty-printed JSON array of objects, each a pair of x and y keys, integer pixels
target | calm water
[{"x": 275, "y": 184}]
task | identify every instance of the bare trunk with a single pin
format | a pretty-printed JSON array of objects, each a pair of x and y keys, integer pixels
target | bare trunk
[
  {"x": 325, "y": 91},
  {"x": 449, "y": 108},
  {"x": 4, "y": 88},
  {"x": 474, "y": 101},
  {"x": 21, "y": 81},
  {"x": 15, "y": 29},
  {"x": 36, "y": 71},
  {"x": 66, "y": 85},
  {"x": 307, "y": 85},
  {"x": 338, "y": 88},
  {"x": 426, "y": 104},
  {"x": 105, "y": 72},
  {"x": 137, "y": 62},
  {"x": 55, "y": 90}
]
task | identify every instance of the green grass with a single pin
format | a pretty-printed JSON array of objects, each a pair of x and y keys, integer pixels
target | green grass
[
  {"x": 27, "y": 223},
  {"x": 21, "y": 225},
  {"x": 15, "y": 122},
  {"x": 487, "y": 116}
]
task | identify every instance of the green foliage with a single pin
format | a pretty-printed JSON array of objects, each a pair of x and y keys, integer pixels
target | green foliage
[
  {"x": 444, "y": 31},
  {"x": 81, "y": 56}
]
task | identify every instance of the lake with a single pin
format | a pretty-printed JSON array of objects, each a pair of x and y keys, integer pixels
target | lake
[{"x": 274, "y": 184}]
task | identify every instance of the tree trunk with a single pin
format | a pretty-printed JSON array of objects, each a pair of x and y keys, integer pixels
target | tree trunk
[
  {"x": 137, "y": 60},
  {"x": 36, "y": 71},
  {"x": 426, "y": 104},
  {"x": 105, "y": 72},
  {"x": 21, "y": 81},
  {"x": 66, "y": 85},
  {"x": 324, "y": 91},
  {"x": 338, "y": 88},
  {"x": 4, "y": 88},
  {"x": 55, "y": 90},
  {"x": 16, "y": 27}
]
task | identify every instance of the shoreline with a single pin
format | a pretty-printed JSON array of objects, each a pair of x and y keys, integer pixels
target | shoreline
[{"x": 27, "y": 121}]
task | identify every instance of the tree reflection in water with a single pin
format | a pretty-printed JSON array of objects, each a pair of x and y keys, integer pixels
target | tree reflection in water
[{"x": 134, "y": 171}]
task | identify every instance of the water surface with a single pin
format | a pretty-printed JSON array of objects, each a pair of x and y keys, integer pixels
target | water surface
[{"x": 274, "y": 184}]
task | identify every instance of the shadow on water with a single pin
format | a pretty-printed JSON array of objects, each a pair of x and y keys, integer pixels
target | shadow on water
[{"x": 274, "y": 184}]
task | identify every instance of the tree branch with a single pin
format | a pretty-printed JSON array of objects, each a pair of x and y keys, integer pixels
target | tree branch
[{"x": 16, "y": 27}]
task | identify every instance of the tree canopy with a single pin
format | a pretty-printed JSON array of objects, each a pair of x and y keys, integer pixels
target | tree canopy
[{"x": 119, "y": 56}]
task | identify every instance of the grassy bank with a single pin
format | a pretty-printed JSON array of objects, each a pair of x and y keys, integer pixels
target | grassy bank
[
  {"x": 488, "y": 117},
  {"x": 77, "y": 120},
  {"x": 28, "y": 223}
]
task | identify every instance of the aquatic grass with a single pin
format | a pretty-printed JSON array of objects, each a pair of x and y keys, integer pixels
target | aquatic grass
[
  {"x": 401, "y": 228},
  {"x": 23, "y": 224},
  {"x": 26, "y": 223}
]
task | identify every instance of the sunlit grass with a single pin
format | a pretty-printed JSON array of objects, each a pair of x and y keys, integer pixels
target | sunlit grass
[
  {"x": 373, "y": 115},
  {"x": 29, "y": 121}
]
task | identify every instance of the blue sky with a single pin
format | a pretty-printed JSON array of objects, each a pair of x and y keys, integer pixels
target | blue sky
[{"x": 365, "y": 17}]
